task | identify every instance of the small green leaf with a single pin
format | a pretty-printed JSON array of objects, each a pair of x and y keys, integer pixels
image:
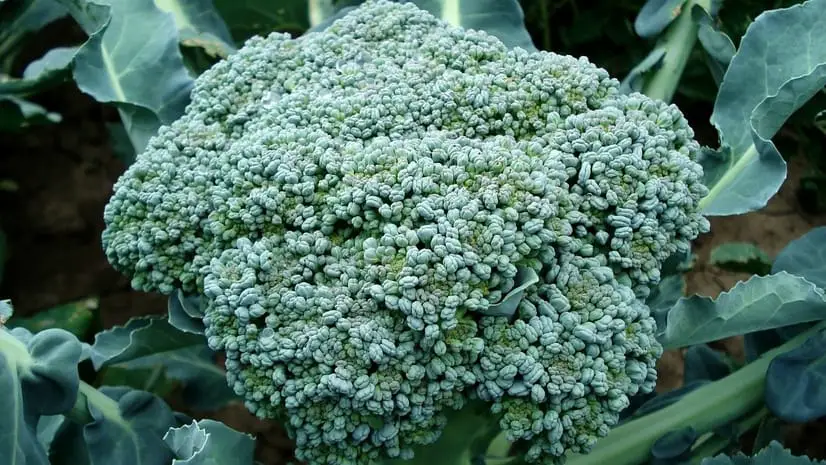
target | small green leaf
[
  {"x": 75, "y": 317},
  {"x": 152, "y": 379},
  {"x": 525, "y": 278},
  {"x": 208, "y": 442},
  {"x": 718, "y": 46},
  {"x": 762, "y": 302},
  {"x": 655, "y": 16},
  {"x": 741, "y": 257},
  {"x": 185, "y": 312},
  {"x": 775, "y": 454},
  {"x": 635, "y": 81},
  {"x": 17, "y": 113}
]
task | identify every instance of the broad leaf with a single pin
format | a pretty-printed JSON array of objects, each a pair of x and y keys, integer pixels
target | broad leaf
[
  {"x": 128, "y": 429},
  {"x": 132, "y": 59},
  {"x": 741, "y": 257},
  {"x": 208, "y": 442},
  {"x": 781, "y": 63},
  {"x": 140, "y": 337},
  {"x": 761, "y": 303},
  {"x": 805, "y": 257},
  {"x": 204, "y": 382},
  {"x": 795, "y": 381},
  {"x": 38, "y": 377},
  {"x": 656, "y": 15}
]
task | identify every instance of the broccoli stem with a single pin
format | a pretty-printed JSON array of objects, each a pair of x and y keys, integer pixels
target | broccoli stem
[
  {"x": 88, "y": 396},
  {"x": 705, "y": 409},
  {"x": 679, "y": 40},
  {"x": 464, "y": 439}
]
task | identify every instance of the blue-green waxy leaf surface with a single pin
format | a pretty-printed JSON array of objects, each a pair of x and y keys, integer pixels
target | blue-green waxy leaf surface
[
  {"x": 139, "y": 337},
  {"x": 781, "y": 63},
  {"x": 129, "y": 429},
  {"x": 718, "y": 46},
  {"x": 132, "y": 59},
  {"x": 795, "y": 381},
  {"x": 208, "y": 442},
  {"x": 761, "y": 303},
  {"x": 742, "y": 257},
  {"x": 38, "y": 377},
  {"x": 656, "y": 15},
  {"x": 152, "y": 342},
  {"x": 199, "y": 25},
  {"x": 804, "y": 257},
  {"x": 673, "y": 446},
  {"x": 525, "y": 278},
  {"x": 774, "y": 454},
  {"x": 186, "y": 312},
  {"x": 501, "y": 18}
]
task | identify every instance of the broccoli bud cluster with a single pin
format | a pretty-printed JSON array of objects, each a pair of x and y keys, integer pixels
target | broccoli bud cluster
[{"x": 392, "y": 217}]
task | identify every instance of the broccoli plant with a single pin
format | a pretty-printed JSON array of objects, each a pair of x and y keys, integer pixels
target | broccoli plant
[{"x": 416, "y": 238}]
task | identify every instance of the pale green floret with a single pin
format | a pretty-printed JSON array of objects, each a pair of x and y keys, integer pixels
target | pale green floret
[{"x": 362, "y": 208}]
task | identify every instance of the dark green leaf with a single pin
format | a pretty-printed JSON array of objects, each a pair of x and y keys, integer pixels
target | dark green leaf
[
  {"x": 75, "y": 317},
  {"x": 673, "y": 446},
  {"x": 762, "y": 302},
  {"x": 741, "y": 257},
  {"x": 246, "y": 18},
  {"x": 772, "y": 74},
  {"x": 795, "y": 381},
  {"x": 775, "y": 454},
  {"x": 199, "y": 25},
  {"x": 151, "y": 379},
  {"x": 718, "y": 46},
  {"x": 47, "y": 427},
  {"x": 702, "y": 363},
  {"x": 17, "y": 113},
  {"x": 121, "y": 144},
  {"x": 23, "y": 17},
  {"x": 656, "y": 15},
  {"x": 185, "y": 312},
  {"x": 208, "y": 442},
  {"x": 635, "y": 80}
]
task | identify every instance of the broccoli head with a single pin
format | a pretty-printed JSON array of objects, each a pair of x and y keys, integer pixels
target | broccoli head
[{"x": 393, "y": 218}]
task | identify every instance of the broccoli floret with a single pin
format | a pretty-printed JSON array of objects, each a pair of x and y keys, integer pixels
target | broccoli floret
[{"x": 364, "y": 207}]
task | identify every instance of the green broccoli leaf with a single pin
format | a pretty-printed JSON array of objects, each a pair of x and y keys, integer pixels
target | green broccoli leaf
[
  {"x": 23, "y": 17},
  {"x": 741, "y": 257},
  {"x": 501, "y": 18},
  {"x": 208, "y": 442},
  {"x": 246, "y": 18},
  {"x": 805, "y": 257},
  {"x": 127, "y": 426},
  {"x": 38, "y": 377},
  {"x": 718, "y": 46},
  {"x": 761, "y": 303},
  {"x": 794, "y": 380},
  {"x": 186, "y": 312},
  {"x": 75, "y": 317},
  {"x": 655, "y": 16},
  {"x": 774, "y": 73},
  {"x": 774, "y": 454},
  {"x": 132, "y": 59},
  {"x": 199, "y": 25},
  {"x": 139, "y": 337}
]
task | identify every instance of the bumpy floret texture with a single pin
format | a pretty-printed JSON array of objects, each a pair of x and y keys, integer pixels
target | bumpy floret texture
[{"x": 394, "y": 216}]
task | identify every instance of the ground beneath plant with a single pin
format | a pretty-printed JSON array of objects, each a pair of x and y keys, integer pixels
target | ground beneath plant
[{"x": 62, "y": 176}]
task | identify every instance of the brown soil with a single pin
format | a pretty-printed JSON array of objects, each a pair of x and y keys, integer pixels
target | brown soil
[{"x": 64, "y": 175}]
